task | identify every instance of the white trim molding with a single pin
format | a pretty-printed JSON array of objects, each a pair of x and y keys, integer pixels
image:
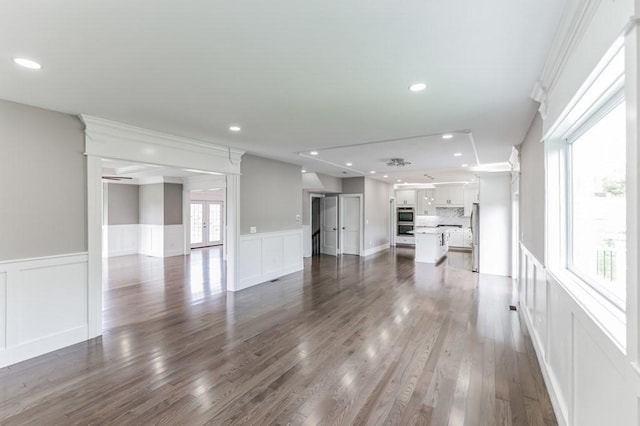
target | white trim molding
[
  {"x": 110, "y": 139},
  {"x": 588, "y": 376},
  {"x": 43, "y": 305},
  {"x": 267, "y": 256},
  {"x": 375, "y": 250}
]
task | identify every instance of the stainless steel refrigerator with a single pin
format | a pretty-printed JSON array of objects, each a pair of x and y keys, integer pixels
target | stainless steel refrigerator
[{"x": 475, "y": 237}]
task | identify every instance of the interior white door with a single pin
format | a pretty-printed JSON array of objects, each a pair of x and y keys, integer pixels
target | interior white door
[
  {"x": 329, "y": 207},
  {"x": 206, "y": 223},
  {"x": 350, "y": 225}
]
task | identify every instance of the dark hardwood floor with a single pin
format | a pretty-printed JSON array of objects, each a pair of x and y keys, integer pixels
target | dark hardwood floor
[{"x": 347, "y": 341}]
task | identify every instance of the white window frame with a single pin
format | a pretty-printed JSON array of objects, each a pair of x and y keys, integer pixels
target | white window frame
[
  {"x": 597, "y": 114},
  {"x": 601, "y": 90}
]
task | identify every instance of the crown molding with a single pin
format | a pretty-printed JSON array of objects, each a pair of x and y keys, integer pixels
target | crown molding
[
  {"x": 110, "y": 139},
  {"x": 568, "y": 36}
]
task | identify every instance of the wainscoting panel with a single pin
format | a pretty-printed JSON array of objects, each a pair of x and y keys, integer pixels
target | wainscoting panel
[
  {"x": 151, "y": 240},
  {"x": 272, "y": 254},
  {"x": 122, "y": 240},
  {"x": 3, "y": 311},
  {"x": 266, "y": 256},
  {"x": 173, "y": 240},
  {"x": 43, "y": 305},
  {"x": 588, "y": 376}
]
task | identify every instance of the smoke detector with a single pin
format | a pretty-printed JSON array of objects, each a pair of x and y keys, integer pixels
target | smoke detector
[{"x": 398, "y": 162}]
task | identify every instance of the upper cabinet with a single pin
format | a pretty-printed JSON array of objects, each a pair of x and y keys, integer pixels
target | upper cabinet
[
  {"x": 426, "y": 202},
  {"x": 471, "y": 195},
  {"x": 406, "y": 197},
  {"x": 450, "y": 196}
]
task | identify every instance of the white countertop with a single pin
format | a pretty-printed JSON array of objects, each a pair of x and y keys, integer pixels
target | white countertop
[{"x": 434, "y": 230}]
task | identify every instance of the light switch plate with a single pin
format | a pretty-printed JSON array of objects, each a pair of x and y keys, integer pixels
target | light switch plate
[{"x": 253, "y": 230}]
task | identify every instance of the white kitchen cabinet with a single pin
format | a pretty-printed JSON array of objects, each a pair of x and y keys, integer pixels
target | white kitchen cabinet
[
  {"x": 467, "y": 238},
  {"x": 409, "y": 240},
  {"x": 456, "y": 237},
  {"x": 425, "y": 203},
  {"x": 450, "y": 196},
  {"x": 470, "y": 197},
  {"x": 406, "y": 197}
]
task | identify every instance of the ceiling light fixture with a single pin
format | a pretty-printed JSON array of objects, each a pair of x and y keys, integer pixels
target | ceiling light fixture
[
  {"x": 398, "y": 162},
  {"x": 373, "y": 172},
  {"x": 304, "y": 171},
  {"x": 349, "y": 164},
  {"x": 399, "y": 180},
  {"x": 457, "y": 154},
  {"x": 27, "y": 63},
  {"x": 385, "y": 176},
  {"x": 465, "y": 165},
  {"x": 417, "y": 87},
  {"x": 235, "y": 128},
  {"x": 314, "y": 153},
  {"x": 447, "y": 136}
]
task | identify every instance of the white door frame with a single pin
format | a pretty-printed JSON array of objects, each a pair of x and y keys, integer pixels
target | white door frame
[
  {"x": 109, "y": 139},
  {"x": 340, "y": 220},
  {"x": 202, "y": 182},
  {"x": 392, "y": 222},
  {"x": 309, "y": 235},
  {"x": 206, "y": 223}
]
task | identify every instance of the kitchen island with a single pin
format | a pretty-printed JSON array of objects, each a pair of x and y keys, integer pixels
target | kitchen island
[{"x": 431, "y": 244}]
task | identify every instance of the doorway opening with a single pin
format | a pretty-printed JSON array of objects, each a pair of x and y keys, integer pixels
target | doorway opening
[
  {"x": 146, "y": 232},
  {"x": 315, "y": 226},
  {"x": 206, "y": 218}
]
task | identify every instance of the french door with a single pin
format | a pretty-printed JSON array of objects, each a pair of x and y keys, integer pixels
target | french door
[{"x": 206, "y": 223}]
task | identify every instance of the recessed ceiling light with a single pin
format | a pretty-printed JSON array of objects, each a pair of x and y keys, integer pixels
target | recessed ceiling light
[
  {"x": 314, "y": 153},
  {"x": 447, "y": 136},
  {"x": 304, "y": 171},
  {"x": 457, "y": 154},
  {"x": 349, "y": 164},
  {"x": 465, "y": 165},
  {"x": 235, "y": 128},
  {"x": 385, "y": 176},
  {"x": 27, "y": 63},
  {"x": 399, "y": 180},
  {"x": 373, "y": 172},
  {"x": 417, "y": 87}
]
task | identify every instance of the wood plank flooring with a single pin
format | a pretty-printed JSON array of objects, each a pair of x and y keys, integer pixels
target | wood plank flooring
[{"x": 380, "y": 340}]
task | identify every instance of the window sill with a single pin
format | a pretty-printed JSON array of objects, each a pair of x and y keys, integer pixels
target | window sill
[{"x": 608, "y": 316}]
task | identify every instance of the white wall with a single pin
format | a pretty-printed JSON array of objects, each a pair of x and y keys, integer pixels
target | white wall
[
  {"x": 495, "y": 224},
  {"x": 376, "y": 215}
]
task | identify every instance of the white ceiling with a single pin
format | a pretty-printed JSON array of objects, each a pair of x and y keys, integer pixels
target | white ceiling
[{"x": 295, "y": 75}]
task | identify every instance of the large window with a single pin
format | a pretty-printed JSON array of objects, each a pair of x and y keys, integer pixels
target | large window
[{"x": 597, "y": 202}]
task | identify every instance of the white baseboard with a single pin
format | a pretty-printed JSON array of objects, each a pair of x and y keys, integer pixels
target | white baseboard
[
  {"x": 375, "y": 250},
  {"x": 267, "y": 256},
  {"x": 43, "y": 305}
]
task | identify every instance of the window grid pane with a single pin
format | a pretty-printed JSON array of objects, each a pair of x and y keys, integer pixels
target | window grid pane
[
  {"x": 196, "y": 224},
  {"x": 215, "y": 228}
]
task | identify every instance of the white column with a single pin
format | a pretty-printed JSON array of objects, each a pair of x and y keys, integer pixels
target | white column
[
  {"x": 94, "y": 224},
  {"x": 233, "y": 230}
]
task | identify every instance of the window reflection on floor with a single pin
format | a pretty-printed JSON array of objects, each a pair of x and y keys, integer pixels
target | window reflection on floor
[{"x": 139, "y": 288}]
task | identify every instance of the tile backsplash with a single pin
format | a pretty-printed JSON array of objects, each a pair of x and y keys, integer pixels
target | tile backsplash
[
  {"x": 453, "y": 216},
  {"x": 450, "y": 211}
]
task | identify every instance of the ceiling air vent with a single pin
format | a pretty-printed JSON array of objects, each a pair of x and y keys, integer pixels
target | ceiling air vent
[{"x": 398, "y": 162}]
